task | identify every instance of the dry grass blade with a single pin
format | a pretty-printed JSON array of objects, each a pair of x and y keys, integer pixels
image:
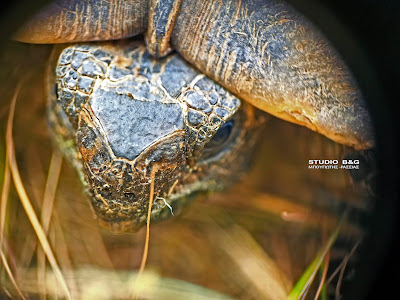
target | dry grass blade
[
  {"x": 323, "y": 277},
  {"x": 50, "y": 190},
  {"x": 47, "y": 209},
  {"x": 10, "y": 275},
  {"x": 343, "y": 268},
  {"x": 27, "y": 204},
  {"x": 303, "y": 284},
  {"x": 4, "y": 196},
  {"x": 62, "y": 251},
  {"x": 146, "y": 245},
  {"x": 3, "y": 208},
  {"x": 340, "y": 267},
  {"x": 258, "y": 269}
]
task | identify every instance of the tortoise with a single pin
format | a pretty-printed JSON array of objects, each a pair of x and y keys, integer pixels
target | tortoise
[{"x": 190, "y": 128}]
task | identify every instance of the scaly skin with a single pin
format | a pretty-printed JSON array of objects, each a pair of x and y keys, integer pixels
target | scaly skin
[{"x": 117, "y": 114}]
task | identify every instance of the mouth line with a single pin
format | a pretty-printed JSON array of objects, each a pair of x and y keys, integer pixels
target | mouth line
[{"x": 179, "y": 199}]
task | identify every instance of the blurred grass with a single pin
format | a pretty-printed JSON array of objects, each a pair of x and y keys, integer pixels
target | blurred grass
[
  {"x": 98, "y": 283},
  {"x": 303, "y": 284},
  {"x": 254, "y": 241}
]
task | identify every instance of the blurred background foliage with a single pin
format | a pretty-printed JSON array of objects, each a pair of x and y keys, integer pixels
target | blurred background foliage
[{"x": 254, "y": 241}]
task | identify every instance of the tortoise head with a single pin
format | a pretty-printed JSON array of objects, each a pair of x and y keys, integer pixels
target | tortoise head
[{"x": 139, "y": 114}]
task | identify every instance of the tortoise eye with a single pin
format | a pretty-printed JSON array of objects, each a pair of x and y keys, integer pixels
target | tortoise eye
[
  {"x": 221, "y": 136},
  {"x": 219, "y": 140}
]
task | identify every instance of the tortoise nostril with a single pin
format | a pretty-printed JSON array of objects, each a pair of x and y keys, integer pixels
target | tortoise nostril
[{"x": 130, "y": 196}]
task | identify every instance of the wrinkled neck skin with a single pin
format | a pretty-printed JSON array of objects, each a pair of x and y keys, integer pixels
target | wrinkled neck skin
[{"x": 123, "y": 114}]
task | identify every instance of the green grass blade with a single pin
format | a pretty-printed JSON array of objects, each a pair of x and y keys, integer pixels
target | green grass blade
[{"x": 308, "y": 276}]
